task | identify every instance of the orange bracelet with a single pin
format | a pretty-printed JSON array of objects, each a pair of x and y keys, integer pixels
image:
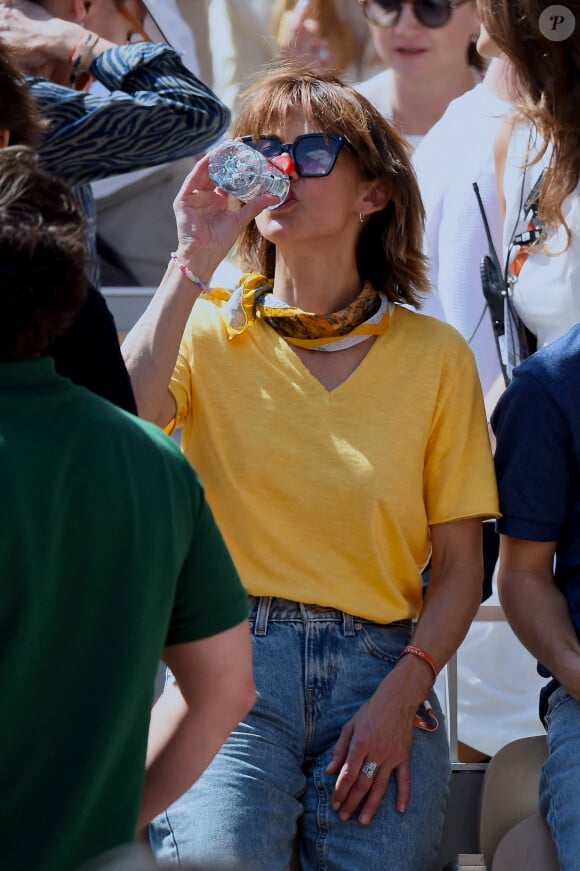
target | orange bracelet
[{"x": 418, "y": 651}]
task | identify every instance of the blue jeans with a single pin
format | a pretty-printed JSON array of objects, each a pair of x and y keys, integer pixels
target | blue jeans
[
  {"x": 559, "y": 792},
  {"x": 314, "y": 668}
]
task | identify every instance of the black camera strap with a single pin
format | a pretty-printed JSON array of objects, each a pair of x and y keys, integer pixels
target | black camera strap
[
  {"x": 494, "y": 287},
  {"x": 514, "y": 342}
]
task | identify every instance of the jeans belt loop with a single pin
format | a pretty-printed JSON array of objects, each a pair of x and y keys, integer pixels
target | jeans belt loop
[
  {"x": 262, "y": 615},
  {"x": 348, "y": 624}
]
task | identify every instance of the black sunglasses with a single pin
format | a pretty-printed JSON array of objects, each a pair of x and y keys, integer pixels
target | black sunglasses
[
  {"x": 313, "y": 154},
  {"x": 429, "y": 13}
]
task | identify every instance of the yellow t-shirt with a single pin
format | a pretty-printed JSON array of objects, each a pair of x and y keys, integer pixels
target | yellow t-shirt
[{"x": 327, "y": 496}]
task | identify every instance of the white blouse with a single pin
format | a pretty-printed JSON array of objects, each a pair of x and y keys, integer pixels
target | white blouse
[{"x": 546, "y": 294}]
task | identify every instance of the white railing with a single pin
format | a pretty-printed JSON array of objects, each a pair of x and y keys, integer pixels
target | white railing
[
  {"x": 127, "y": 304},
  {"x": 486, "y": 613}
]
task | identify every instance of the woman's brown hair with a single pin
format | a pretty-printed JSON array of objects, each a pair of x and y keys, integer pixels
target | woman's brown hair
[
  {"x": 389, "y": 254},
  {"x": 547, "y": 80}
]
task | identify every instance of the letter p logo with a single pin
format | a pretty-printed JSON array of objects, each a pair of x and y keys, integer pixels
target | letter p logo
[{"x": 557, "y": 23}]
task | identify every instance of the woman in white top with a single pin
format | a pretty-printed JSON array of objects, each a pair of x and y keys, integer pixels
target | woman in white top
[
  {"x": 454, "y": 154},
  {"x": 542, "y": 135},
  {"x": 546, "y": 292},
  {"x": 497, "y": 681},
  {"x": 428, "y": 50}
]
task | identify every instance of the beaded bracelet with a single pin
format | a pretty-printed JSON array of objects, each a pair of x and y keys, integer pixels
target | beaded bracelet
[
  {"x": 84, "y": 44},
  {"x": 188, "y": 273},
  {"x": 418, "y": 651}
]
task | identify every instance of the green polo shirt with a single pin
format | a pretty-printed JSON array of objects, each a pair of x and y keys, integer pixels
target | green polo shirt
[{"x": 108, "y": 552}]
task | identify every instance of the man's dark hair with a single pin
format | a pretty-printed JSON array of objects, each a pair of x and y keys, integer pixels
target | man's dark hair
[
  {"x": 42, "y": 262},
  {"x": 18, "y": 114}
]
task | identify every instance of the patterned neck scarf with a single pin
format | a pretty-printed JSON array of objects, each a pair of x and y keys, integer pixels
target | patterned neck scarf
[{"x": 367, "y": 315}]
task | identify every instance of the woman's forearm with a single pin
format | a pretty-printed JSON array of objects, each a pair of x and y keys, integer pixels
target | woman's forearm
[
  {"x": 206, "y": 232},
  {"x": 453, "y": 592},
  {"x": 151, "y": 347},
  {"x": 537, "y": 610}
]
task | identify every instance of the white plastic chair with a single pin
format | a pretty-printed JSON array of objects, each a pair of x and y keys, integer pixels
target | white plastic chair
[
  {"x": 509, "y": 793},
  {"x": 527, "y": 845}
]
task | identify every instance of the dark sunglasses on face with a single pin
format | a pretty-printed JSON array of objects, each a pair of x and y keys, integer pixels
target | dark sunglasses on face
[
  {"x": 313, "y": 154},
  {"x": 429, "y": 13}
]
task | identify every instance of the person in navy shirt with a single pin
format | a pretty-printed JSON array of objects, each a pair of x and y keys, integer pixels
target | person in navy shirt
[{"x": 537, "y": 428}]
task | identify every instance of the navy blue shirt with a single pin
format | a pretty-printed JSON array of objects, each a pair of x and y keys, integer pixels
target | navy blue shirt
[{"x": 537, "y": 460}]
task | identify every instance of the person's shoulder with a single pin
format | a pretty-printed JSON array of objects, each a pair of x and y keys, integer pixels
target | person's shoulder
[
  {"x": 377, "y": 90},
  {"x": 558, "y": 362},
  {"x": 455, "y": 116},
  {"x": 416, "y": 319},
  {"x": 209, "y": 312},
  {"x": 464, "y": 104},
  {"x": 480, "y": 100},
  {"x": 550, "y": 378},
  {"x": 148, "y": 448},
  {"x": 452, "y": 136},
  {"x": 551, "y": 375},
  {"x": 433, "y": 331},
  {"x": 102, "y": 421},
  {"x": 519, "y": 141},
  {"x": 373, "y": 83}
]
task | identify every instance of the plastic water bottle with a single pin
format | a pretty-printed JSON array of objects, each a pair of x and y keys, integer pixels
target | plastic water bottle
[{"x": 243, "y": 172}]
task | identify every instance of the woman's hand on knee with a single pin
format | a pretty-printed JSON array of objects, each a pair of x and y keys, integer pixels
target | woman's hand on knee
[{"x": 372, "y": 746}]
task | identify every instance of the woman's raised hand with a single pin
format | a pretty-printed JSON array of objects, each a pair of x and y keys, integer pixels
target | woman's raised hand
[
  {"x": 35, "y": 36},
  {"x": 208, "y": 220}
]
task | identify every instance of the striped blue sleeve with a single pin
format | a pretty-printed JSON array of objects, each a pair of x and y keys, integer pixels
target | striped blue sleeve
[{"x": 156, "y": 111}]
